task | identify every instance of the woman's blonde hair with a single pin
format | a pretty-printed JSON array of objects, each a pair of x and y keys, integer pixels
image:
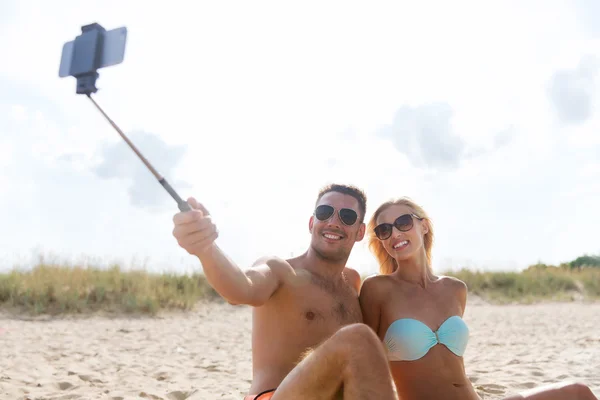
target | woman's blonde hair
[{"x": 387, "y": 264}]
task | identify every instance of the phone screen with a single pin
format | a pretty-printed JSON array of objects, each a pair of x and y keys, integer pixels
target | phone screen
[{"x": 113, "y": 51}]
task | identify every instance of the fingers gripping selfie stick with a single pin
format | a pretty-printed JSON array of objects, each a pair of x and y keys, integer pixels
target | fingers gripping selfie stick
[{"x": 97, "y": 48}]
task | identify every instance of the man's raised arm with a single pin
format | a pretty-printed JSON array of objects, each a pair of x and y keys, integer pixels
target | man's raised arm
[{"x": 196, "y": 233}]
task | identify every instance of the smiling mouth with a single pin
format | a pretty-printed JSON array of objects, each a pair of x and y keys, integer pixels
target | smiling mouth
[
  {"x": 401, "y": 244},
  {"x": 332, "y": 236}
]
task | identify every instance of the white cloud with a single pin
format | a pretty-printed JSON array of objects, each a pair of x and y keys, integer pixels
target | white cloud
[
  {"x": 18, "y": 112},
  {"x": 424, "y": 134},
  {"x": 268, "y": 109},
  {"x": 572, "y": 92},
  {"x": 119, "y": 161},
  {"x": 590, "y": 170}
]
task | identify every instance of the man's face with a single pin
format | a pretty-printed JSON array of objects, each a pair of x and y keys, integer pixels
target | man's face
[{"x": 332, "y": 237}]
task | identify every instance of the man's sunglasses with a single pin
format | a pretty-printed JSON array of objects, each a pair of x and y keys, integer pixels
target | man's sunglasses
[
  {"x": 403, "y": 223},
  {"x": 347, "y": 215}
]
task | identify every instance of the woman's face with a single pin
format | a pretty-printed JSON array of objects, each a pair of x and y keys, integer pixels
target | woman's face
[{"x": 403, "y": 243}]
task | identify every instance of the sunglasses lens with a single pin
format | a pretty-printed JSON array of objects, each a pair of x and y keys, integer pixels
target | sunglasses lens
[
  {"x": 404, "y": 223},
  {"x": 348, "y": 216},
  {"x": 383, "y": 231},
  {"x": 323, "y": 212}
]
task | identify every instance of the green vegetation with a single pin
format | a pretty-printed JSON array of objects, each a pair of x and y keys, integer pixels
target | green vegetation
[
  {"x": 585, "y": 261},
  {"x": 59, "y": 288},
  {"x": 575, "y": 280},
  {"x": 533, "y": 284},
  {"x": 56, "y": 289}
]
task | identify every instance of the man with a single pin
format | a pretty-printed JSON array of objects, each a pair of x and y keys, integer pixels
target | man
[{"x": 308, "y": 340}]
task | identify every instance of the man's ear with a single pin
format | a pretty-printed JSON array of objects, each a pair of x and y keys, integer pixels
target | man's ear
[
  {"x": 311, "y": 222},
  {"x": 361, "y": 232}
]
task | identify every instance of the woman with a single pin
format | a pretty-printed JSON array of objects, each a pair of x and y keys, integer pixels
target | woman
[{"x": 418, "y": 315}]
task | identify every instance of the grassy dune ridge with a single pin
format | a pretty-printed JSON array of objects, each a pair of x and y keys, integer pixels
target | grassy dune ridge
[
  {"x": 533, "y": 284},
  {"x": 59, "y": 288},
  {"x": 56, "y": 289}
]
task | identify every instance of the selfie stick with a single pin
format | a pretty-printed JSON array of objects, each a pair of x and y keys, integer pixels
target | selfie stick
[
  {"x": 183, "y": 206},
  {"x": 94, "y": 49}
]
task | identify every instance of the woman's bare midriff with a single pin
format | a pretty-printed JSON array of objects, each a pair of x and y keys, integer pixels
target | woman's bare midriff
[{"x": 438, "y": 375}]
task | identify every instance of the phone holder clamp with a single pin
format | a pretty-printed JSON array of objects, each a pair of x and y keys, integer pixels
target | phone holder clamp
[{"x": 87, "y": 56}]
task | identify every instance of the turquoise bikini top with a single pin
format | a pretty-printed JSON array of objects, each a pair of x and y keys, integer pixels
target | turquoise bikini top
[{"x": 409, "y": 339}]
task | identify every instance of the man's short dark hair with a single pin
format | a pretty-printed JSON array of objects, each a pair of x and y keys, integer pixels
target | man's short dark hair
[{"x": 350, "y": 190}]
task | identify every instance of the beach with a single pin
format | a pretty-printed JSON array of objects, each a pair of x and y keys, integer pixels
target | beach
[{"x": 205, "y": 354}]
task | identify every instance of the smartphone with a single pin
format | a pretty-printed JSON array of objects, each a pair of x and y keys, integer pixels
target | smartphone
[{"x": 93, "y": 52}]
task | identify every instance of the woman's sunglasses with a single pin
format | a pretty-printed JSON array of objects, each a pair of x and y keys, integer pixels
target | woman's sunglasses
[
  {"x": 403, "y": 223},
  {"x": 347, "y": 215}
]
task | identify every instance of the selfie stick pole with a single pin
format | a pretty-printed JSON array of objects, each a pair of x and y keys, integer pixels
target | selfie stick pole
[
  {"x": 82, "y": 57},
  {"x": 183, "y": 206}
]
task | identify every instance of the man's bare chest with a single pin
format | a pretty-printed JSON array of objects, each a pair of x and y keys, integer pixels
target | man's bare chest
[
  {"x": 326, "y": 307},
  {"x": 327, "y": 310}
]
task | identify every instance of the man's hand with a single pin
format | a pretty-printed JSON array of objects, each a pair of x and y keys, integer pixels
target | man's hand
[
  {"x": 194, "y": 230},
  {"x": 196, "y": 233}
]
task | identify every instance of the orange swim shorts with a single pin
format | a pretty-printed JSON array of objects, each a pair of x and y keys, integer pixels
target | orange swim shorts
[{"x": 266, "y": 395}]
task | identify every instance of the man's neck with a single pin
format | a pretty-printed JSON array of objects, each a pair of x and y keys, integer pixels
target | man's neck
[{"x": 325, "y": 268}]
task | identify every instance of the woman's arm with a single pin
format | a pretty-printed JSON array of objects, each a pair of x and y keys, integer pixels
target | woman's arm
[{"x": 370, "y": 303}]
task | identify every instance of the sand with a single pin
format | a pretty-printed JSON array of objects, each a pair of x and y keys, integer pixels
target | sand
[{"x": 206, "y": 354}]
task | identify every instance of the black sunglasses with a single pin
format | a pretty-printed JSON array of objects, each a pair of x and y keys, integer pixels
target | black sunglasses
[
  {"x": 403, "y": 223},
  {"x": 347, "y": 215}
]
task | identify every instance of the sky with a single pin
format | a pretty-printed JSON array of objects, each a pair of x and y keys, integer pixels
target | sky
[{"x": 485, "y": 113}]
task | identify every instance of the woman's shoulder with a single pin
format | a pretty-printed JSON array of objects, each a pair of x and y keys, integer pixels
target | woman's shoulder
[
  {"x": 452, "y": 283},
  {"x": 455, "y": 288},
  {"x": 375, "y": 283},
  {"x": 377, "y": 279}
]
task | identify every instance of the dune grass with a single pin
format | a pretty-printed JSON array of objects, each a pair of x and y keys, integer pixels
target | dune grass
[
  {"x": 55, "y": 289},
  {"x": 537, "y": 283},
  {"x": 61, "y": 288},
  {"x": 590, "y": 278}
]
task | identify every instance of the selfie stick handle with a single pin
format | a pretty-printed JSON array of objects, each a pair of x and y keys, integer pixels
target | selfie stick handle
[{"x": 183, "y": 206}]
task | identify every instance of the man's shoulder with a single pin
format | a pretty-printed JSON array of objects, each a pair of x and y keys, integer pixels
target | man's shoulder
[
  {"x": 272, "y": 261},
  {"x": 351, "y": 273},
  {"x": 353, "y": 277},
  {"x": 280, "y": 267}
]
